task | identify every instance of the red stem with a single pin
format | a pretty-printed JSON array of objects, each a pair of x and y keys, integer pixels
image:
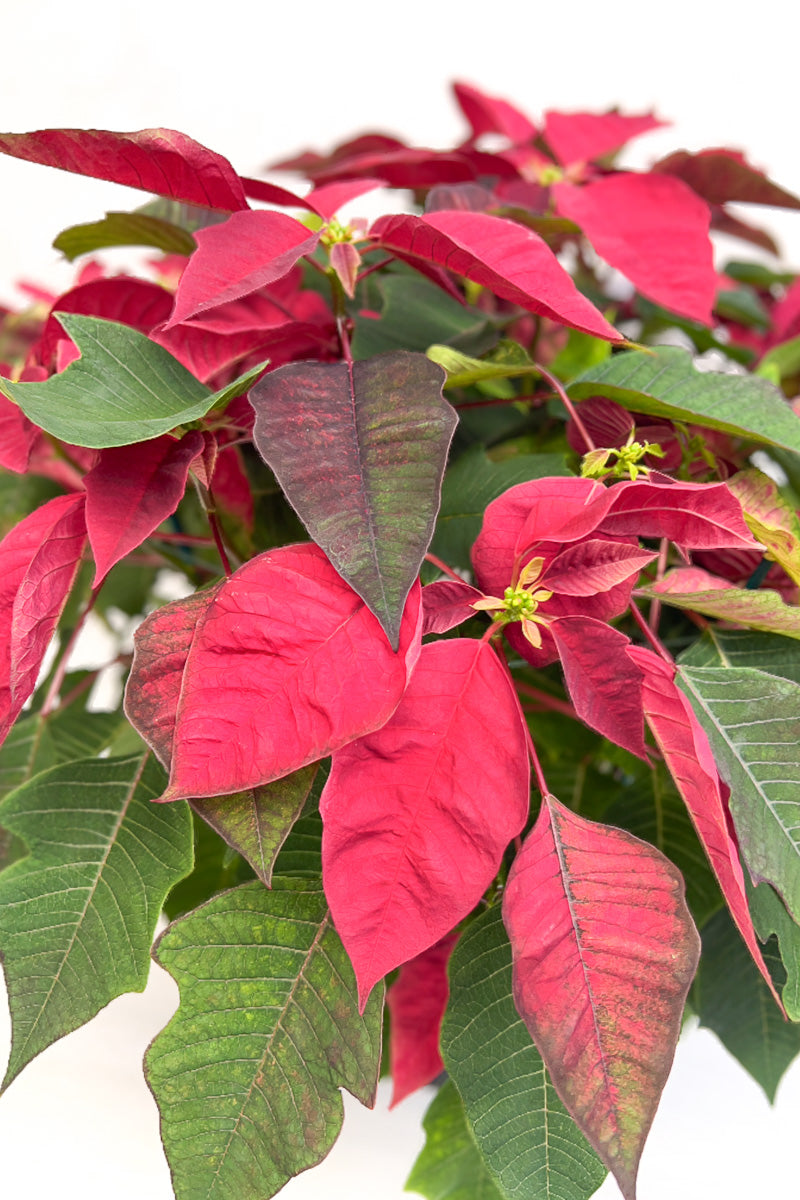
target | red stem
[
  {"x": 652, "y": 638},
  {"x": 546, "y": 701},
  {"x": 568, "y": 405},
  {"x": 443, "y": 567},
  {"x": 541, "y": 782},
  {"x": 655, "y": 604}
]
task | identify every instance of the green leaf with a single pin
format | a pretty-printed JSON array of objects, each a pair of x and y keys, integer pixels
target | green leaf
[
  {"x": 743, "y": 648},
  {"x": 79, "y": 734},
  {"x": 124, "y": 229},
  {"x": 255, "y": 823},
  {"x": 581, "y": 353},
  {"x": 415, "y": 314},
  {"x": 27, "y": 750},
  {"x": 529, "y": 1142},
  {"x": 506, "y": 361},
  {"x": 782, "y": 360},
  {"x": 753, "y": 724},
  {"x": 216, "y": 868},
  {"x": 770, "y": 917},
  {"x": 770, "y": 518},
  {"x": 730, "y": 998},
  {"x": 123, "y": 389},
  {"x": 471, "y": 483},
  {"x": 759, "y": 609},
  {"x": 665, "y": 383},
  {"x": 77, "y": 915},
  {"x": 247, "y": 1073},
  {"x": 449, "y": 1166},
  {"x": 20, "y": 495}
]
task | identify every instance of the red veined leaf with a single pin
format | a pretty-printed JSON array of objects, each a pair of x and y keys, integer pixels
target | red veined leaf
[
  {"x": 605, "y": 686},
  {"x": 272, "y": 193},
  {"x": 652, "y": 228},
  {"x": 244, "y": 253},
  {"x": 130, "y": 301},
  {"x": 286, "y": 664},
  {"x": 487, "y": 114},
  {"x": 604, "y": 950},
  {"x": 721, "y": 176},
  {"x": 131, "y": 490},
  {"x": 359, "y": 451},
  {"x": 446, "y": 604},
  {"x": 38, "y": 562},
  {"x": 596, "y": 565},
  {"x": 580, "y": 136},
  {"x": 156, "y": 160},
  {"x": 699, "y": 516},
  {"x": 683, "y": 742},
  {"x": 416, "y": 1001},
  {"x": 18, "y": 437},
  {"x": 161, "y": 646},
  {"x": 513, "y": 262},
  {"x": 421, "y": 811}
]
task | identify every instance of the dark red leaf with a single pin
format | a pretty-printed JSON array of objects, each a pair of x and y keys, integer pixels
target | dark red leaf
[
  {"x": 486, "y": 114},
  {"x": 721, "y": 176},
  {"x": 243, "y": 254},
  {"x": 604, "y": 951},
  {"x": 129, "y": 301},
  {"x": 131, "y": 490},
  {"x": 594, "y": 565},
  {"x": 725, "y": 222},
  {"x": 511, "y": 261},
  {"x": 272, "y": 193},
  {"x": 310, "y": 163},
  {"x": 286, "y": 665},
  {"x": 446, "y": 604},
  {"x": 231, "y": 486},
  {"x": 155, "y": 160},
  {"x": 18, "y": 437},
  {"x": 38, "y": 562},
  {"x": 416, "y": 1001},
  {"x": 652, "y": 228},
  {"x": 581, "y": 136},
  {"x": 605, "y": 686},
  {"x": 360, "y": 451},
  {"x": 699, "y": 516},
  {"x": 420, "y": 811},
  {"x": 683, "y": 742}
]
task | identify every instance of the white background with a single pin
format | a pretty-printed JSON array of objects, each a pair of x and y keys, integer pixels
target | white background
[{"x": 256, "y": 83}]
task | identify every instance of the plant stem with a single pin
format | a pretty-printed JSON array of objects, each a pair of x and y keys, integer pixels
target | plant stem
[
  {"x": 652, "y": 638},
  {"x": 655, "y": 604},
  {"x": 568, "y": 405},
  {"x": 546, "y": 701},
  {"x": 443, "y": 567}
]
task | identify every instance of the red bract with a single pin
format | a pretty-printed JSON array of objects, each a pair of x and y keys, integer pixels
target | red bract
[
  {"x": 130, "y": 301},
  {"x": 417, "y": 1001},
  {"x": 421, "y": 810}
]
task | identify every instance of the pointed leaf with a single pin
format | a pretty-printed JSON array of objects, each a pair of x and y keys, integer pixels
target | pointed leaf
[
  {"x": 596, "y": 565},
  {"x": 156, "y": 160},
  {"x": 131, "y": 490},
  {"x": 124, "y": 229},
  {"x": 700, "y": 516},
  {"x": 721, "y": 175},
  {"x": 527, "y": 1139},
  {"x": 286, "y": 638},
  {"x": 247, "y": 1073},
  {"x": 692, "y": 588},
  {"x": 421, "y": 811},
  {"x": 360, "y": 453},
  {"x": 604, "y": 684},
  {"x": 247, "y": 252},
  {"x": 446, "y": 604},
  {"x": 77, "y": 916},
  {"x": 652, "y": 228},
  {"x": 256, "y": 823},
  {"x": 449, "y": 1166},
  {"x": 416, "y": 1001},
  {"x": 730, "y": 997},
  {"x": 683, "y": 742},
  {"x": 604, "y": 952},
  {"x": 664, "y": 382},
  {"x": 506, "y": 361},
  {"x": 135, "y": 302},
  {"x": 753, "y": 724},
  {"x": 123, "y": 389},
  {"x": 488, "y": 114},
  {"x": 770, "y": 518},
  {"x": 38, "y": 562},
  {"x": 770, "y": 917},
  {"x": 513, "y": 262},
  {"x": 580, "y": 136}
]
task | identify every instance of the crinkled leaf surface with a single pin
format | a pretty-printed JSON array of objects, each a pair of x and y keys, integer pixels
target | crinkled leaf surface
[
  {"x": 663, "y": 382},
  {"x": 360, "y": 450},
  {"x": 421, "y": 810},
  {"x": 124, "y": 229},
  {"x": 731, "y": 998},
  {"x": 77, "y": 916},
  {"x": 530, "y": 1144},
  {"x": 123, "y": 389},
  {"x": 702, "y": 516},
  {"x": 256, "y": 822},
  {"x": 449, "y": 1166},
  {"x": 697, "y": 590},
  {"x": 752, "y": 720},
  {"x": 652, "y": 228},
  {"x": 286, "y": 664},
  {"x": 416, "y": 1001},
  {"x": 248, "y": 1071},
  {"x": 513, "y": 262},
  {"x": 131, "y": 490},
  {"x": 248, "y": 251},
  {"x": 604, "y": 951},
  {"x": 686, "y": 751},
  {"x": 156, "y": 160}
]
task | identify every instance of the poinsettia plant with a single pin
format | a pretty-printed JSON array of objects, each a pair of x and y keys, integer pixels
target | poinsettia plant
[{"x": 470, "y": 750}]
